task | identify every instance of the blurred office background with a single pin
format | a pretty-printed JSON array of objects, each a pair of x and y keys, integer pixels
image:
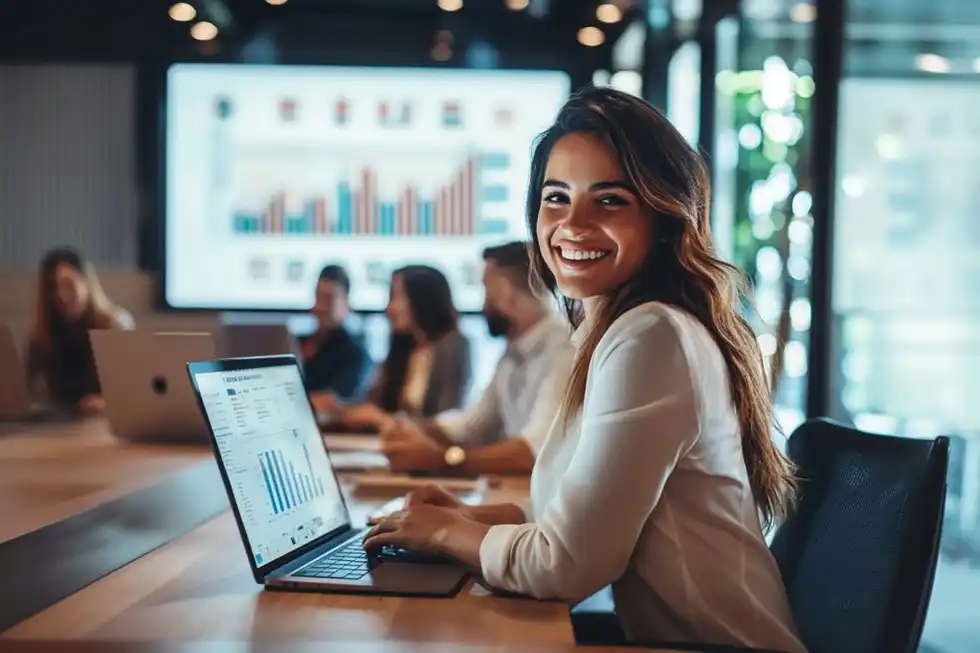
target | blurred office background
[{"x": 843, "y": 139}]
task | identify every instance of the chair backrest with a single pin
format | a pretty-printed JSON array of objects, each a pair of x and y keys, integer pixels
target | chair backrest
[{"x": 859, "y": 553}]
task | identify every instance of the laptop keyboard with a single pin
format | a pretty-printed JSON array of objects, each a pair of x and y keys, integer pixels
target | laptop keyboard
[{"x": 348, "y": 562}]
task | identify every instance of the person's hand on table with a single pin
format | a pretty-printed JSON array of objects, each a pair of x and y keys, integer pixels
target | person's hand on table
[
  {"x": 409, "y": 449},
  {"x": 90, "y": 405},
  {"x": 323, "y": 402},
  {"x": 430, "y": 529},
  {"x": 365, "y": 416}
]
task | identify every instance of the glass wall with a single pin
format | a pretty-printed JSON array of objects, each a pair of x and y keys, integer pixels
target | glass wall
[
  {"x": 761, "y": 171},
  {"x": 907, "y": 260}
]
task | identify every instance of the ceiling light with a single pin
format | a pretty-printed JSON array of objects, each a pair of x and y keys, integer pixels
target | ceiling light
[
  {"x": 276, "y": 2},
  {"x": 450, "y": 5},
  {"x": 182, "y": 12},
  {"x": 204, "y": 31},
  {"x": 608, "y": 13},
  {"x": 590, "y": 36},
  {"x": 803, "y": 12},
  {"x": 516, "y": 5},
  {"x": 931, "y": 63}
]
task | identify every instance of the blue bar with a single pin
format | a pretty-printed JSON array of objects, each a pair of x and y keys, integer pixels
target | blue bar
[
  {"x": 296, "y": 224},
  {"x": 319, "y": 488},
  {"x": 294, "y": 485},
  {"x": 344, "y": 218},
  {"x": 281, "y": 475},
  {"x": 307, "y": 486},
  {"x": 425, "y": 222},
  {"x": 268, "y": 486},
  {"x": 387, "y": 215},
  {"x": 494, "y": 227},
  {"x": 275, "y": 481},
  {"x": 496, "y": 161},
  {"x": 495, "y": 193}
]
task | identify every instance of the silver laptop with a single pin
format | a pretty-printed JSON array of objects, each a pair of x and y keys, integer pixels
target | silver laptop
[
  {"x": 15, "y": 396},
  {"x": 247, "y": 340},
  {"x": 290, "y": 511},
  {"x": 144, "y": 383}
]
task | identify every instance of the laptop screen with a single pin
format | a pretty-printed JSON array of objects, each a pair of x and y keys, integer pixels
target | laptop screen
[{"x": 270, "y": 446}]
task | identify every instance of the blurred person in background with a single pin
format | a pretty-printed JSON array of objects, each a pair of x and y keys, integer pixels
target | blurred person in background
[
  {"x": 504, "y": 431},
  {"x": 70, "y": 302},
  {"x": 336, "y": 365},
  {"x": 427, "y": 370}
]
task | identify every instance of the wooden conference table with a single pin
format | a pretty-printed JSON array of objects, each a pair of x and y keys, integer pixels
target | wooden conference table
[{"x": 196, "y": 592}]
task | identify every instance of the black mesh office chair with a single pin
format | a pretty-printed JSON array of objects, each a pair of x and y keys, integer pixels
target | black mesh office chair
[{"x": 859, "y": 553}]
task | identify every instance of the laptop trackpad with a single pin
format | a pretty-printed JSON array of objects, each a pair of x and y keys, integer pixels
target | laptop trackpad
[{"x": 413, "y": 578}]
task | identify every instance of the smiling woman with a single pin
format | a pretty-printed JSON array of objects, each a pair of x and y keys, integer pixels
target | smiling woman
[{"x": 657, "y": 471}]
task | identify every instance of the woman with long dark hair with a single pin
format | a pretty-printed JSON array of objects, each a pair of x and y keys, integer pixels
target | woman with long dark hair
[
  {"x": 70, "y": 302},
  {"x": 659, "y": 474},
  {"x": 427, "y": 370}
]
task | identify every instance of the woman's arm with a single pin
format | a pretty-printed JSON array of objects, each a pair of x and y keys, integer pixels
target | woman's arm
[{"x": 640, "y": 417}]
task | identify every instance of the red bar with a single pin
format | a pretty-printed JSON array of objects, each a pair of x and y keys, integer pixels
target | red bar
[
  {"x": 370, "y": 202},
  {"x": 443, "y": 221},
  {"x": 460, "y": 201},
  {"x": 276, "y": 209},
  {"x": 355, "y": 198},
  {"x": 411, "y": 219},
  {"x": 319, "y": 216}
]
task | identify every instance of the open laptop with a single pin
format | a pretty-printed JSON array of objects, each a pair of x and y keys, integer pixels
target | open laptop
[
  {"x": 144, "y": 383},
  {"x": 15, "y": 396},
  {"x": 246, "y": 340},
  {"x": 290, "y": 511}
]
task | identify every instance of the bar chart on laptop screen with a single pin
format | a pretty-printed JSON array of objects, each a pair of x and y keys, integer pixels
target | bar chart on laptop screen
[{"x": 288, "y": 483}]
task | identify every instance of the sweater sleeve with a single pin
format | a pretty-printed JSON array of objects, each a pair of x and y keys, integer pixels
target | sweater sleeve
[{"x": 639, "y": 418}]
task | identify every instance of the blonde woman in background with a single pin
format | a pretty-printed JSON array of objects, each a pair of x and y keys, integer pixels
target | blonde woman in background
[{"x": 70, "y": 302}]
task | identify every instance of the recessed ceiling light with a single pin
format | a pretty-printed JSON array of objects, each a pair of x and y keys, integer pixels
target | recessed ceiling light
[
  {"x": 182, "y": 12},
  {"x": 803, "y": 12},
  {"x": 450, "y": 5},
  {"x": 591, "y": 36},
  {"x": 204, "y": 31},
  {"x": 516, "y": 5},
  {"x": 932, "y": 63},
  {"x": 608, "y": 13}
]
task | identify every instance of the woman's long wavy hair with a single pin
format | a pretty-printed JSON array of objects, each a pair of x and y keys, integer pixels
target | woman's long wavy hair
[
  {"x": 48, "y": 323},
  {"x": 681, "y": 269},
  {"x": 431, "y": 301}
]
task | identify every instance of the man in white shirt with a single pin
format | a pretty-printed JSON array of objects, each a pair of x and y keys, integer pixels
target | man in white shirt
[{"x": 504, "y": 431}]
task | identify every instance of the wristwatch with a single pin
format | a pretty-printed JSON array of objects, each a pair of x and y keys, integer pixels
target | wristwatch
[{"x": 455, "y": 456}]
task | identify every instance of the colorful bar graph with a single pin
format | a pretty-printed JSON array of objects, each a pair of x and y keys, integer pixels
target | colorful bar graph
[
  {"x": 358, "y": 209},
  {"x": 286, "y": 487}
]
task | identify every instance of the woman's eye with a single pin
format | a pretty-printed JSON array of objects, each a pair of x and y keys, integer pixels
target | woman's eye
[
  {"x": 554, "y": 198},
  {"x": 613, "y": 200}
]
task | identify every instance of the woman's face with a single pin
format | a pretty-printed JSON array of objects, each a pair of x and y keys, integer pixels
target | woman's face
[
  {"x": 592, "y": 229},
  {"x": 399, "y": 309},
  {"x": 71, "y": 292}
]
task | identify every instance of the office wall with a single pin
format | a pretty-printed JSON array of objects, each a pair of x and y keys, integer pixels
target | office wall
[{"x": 68, "y": 162}]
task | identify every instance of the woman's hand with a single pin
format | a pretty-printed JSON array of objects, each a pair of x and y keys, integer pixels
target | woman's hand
[
  {"x": 90, "y": 405},
  {"x": 365, "y": 415},
  {"x": 434, "y": 495},
  {"x": 409, "y": 449},
  {"x": 430, "y": 529}
]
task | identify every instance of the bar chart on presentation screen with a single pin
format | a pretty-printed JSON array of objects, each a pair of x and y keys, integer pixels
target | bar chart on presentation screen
[
  {"x": 467, "y": 195},
  {"x": 289, "y": 483}
]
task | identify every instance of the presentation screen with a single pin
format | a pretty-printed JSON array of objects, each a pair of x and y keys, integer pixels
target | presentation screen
[{"x": 273, "y": 172}]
